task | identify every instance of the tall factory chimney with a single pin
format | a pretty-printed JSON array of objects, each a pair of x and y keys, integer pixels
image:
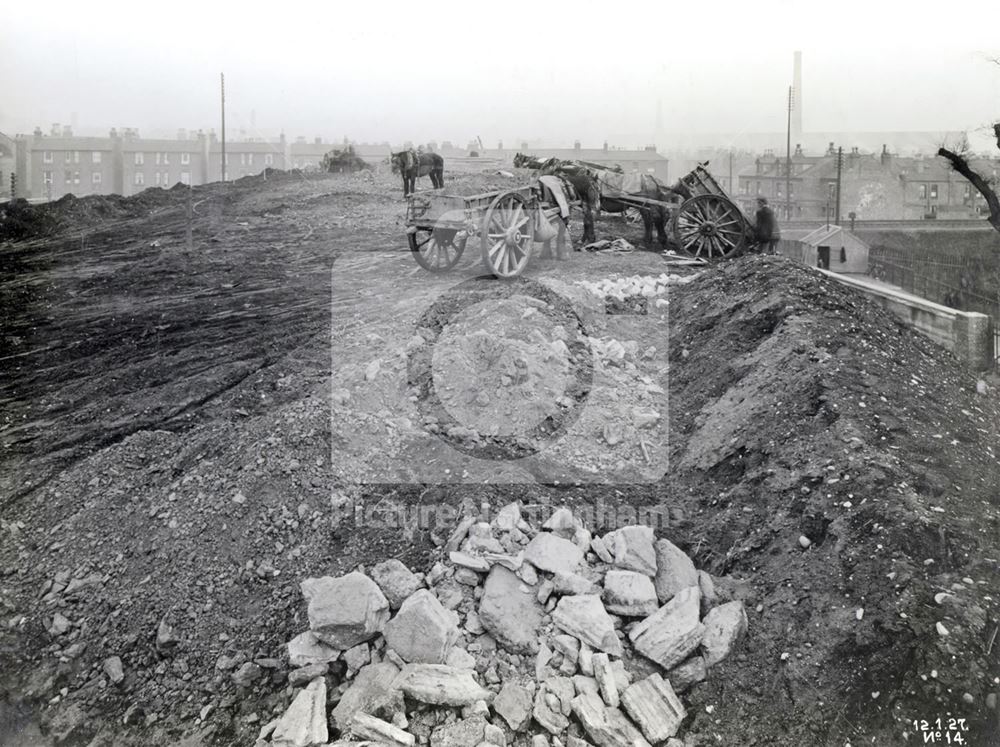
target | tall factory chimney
[{"x": 797, "y": 103}]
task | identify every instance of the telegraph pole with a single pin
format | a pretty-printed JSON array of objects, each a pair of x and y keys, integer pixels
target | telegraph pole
[
  {"x": 840, "y": 164},
  {"x": 222, "y": 77},
  {"x": 788, "y": 156}
]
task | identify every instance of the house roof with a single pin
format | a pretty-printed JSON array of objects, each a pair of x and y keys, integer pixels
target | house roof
[
  {"x": 827, "y": 232},
  {"x": 71, "y": 143}
]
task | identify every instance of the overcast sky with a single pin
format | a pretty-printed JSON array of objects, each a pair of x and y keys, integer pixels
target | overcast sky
[{"x": 509, "y": 70}]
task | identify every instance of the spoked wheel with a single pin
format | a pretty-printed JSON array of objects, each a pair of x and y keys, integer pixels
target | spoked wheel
[
  {"x": 507, "y": 235},
  {"x": 438, "y": 249},
  {"x": 710, "y": 227}
]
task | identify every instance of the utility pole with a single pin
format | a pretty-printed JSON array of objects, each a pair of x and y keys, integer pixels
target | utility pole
[
  {"x": 222, "y": 76},
  {"x": 788, "y": 156},
  {"x": 840, "y": 164},
  {"x": 732, "y": 187}
]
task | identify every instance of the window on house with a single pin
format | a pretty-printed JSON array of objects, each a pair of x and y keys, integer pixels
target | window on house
[
  {"x": 227, "y": 159},
  {"x": 76, "y": 177},
  {"x": 166, "y": 179},
  {"x": 934, "y": 191},
  {"x": 157, "y": 178},
  {"x": 166, "y": 158},
  {"x": 139, "y": 179},
  {"x": 758, "y": 186},
  {"x": 95, "y": 157},
  {"x": 47, "y": 177},
  {"x": 843, "y": 254},
  {"x": 158, "y": 156},
  {"x": 69, "y": 156},
  {"x": 923, "y": 191},
  {"x": 138, "y": 159},
  {"x": 68, "y": 177},
  {"x": 185, "y": 159},
  {"x": 95, "y": 178},
  {"x": 831, "y": 190},
  {"x": 185, "y": 177},
  {"x": 76, "y": 156},
  {"x": 47, "y": 157},
  {"x": 250, "y": 159},
  {"x": 268, "y": 159},
  {"x": 243, "y": 159}
]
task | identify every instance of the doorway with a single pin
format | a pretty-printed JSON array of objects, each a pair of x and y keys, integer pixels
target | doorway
[{"x": 823, "y": 257}]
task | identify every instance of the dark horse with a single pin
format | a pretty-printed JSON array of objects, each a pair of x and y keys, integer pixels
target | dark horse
[
  {"x": 411, "y": 165},
  {"x": 591, "y": 182}
]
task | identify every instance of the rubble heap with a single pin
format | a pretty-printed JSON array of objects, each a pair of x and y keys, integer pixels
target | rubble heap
[{"x": 549, "y": 636}]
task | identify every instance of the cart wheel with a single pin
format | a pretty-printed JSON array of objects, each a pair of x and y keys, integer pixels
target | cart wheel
[
  {"x": 507, "y": 235},
  {"x": 438, "y": 249},
  {"x": 710, "y": 227}
]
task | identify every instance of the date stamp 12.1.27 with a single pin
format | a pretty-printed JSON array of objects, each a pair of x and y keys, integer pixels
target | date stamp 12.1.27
[{"x": 941, "y": 731}]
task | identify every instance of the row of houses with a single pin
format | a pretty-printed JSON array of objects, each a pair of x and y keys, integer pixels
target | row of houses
[
  {"x": 48, "y": 166},
  {"x": 873, "y": 186}
]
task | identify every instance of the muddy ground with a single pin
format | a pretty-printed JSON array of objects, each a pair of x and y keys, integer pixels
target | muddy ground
[{"x": 188, "y": 433}]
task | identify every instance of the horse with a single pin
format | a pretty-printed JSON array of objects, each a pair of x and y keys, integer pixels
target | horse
[{"x": 412, "y": 165}]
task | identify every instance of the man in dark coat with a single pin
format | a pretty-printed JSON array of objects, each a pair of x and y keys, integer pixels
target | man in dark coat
[{"x": 766, "y": 228}]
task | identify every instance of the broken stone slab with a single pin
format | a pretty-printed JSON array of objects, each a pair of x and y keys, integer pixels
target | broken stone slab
[
  {"x": 573, "y": 583},
  {"x": 113, "y": 669},
  {"x": 586, "y": 659},
  {"x": 548, "y": 713},
  {"x": 356, "y": 657},
  {"x": 494, "y": 734},
  {"x": 607, "y": 726},
  {"x": 634, "y": 551},
  {"x": 345, "y": 611},
  {"x": 673, "y": 632},
  {"x": 304, "y": 723},
  {"x": 305, "y": 675},
  {"x": 439, "y": 684},
  {"x": 372, "y": 692},
  {"x": 510, "y": 611},
  {"x": 629, "y": 593},
  {"x": 481, "y": 540},
  {"x": 514, "y": 704},
  {"x": 396, "y": 581},
  {"x": 724, "y": 626},
  {"x": 458, "y": 536},
  {"x": 584, "y": 684},
  {"x": 569, "y": 647},
  {"x": 422, "y": 631},
  {"x": 655, "y": 707},
  {"x": 507, "y": 518},
  {"x": 552, "y": 554},
  {"x": 709, "y": 597},
  {"x": 306, "y": 648},
  {"x": 472, "y": 562},
  {"x": 377, "y": 730},
  {"x": 606, "y": 679},
  {"x": 468, "y": 732},
  {"x": 510, "y": 562},
  {"x": 584, "y": 617},
  {"x": 460, "y": 659},
  {"x": 600, "y": 548},
  {"x": 690, "y": 673},
  {"x": 562, "y": 523},
  {"x": 674, "y": 572}
]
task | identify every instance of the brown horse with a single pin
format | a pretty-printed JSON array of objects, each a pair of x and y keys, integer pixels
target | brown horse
[{"x": 412, "y": 165}]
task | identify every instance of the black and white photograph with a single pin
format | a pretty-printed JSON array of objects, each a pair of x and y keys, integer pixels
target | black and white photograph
[{"x": 476, "y": 374}]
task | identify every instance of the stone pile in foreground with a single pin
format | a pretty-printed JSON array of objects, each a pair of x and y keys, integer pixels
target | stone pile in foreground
[{"x": 548, "y": 637}]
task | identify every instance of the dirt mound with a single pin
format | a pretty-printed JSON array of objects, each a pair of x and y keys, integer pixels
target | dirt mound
[{"x": 172, "y": 469}]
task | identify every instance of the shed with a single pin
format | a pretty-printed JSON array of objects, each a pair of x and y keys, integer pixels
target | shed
[{"x": 829, "y": 247}]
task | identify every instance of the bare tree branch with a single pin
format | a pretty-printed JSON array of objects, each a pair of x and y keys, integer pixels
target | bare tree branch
[{"x": 962, "y": 167}]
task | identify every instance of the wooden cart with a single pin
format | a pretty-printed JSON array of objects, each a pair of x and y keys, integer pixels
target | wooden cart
[
  {"x": 708, "y": 224},
  {"x": 438, "y": 227}
]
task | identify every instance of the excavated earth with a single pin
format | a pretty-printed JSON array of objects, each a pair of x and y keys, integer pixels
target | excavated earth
[{"x": 184, "y": 436}]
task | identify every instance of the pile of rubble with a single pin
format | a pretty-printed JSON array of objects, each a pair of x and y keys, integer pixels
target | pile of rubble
[
  {"x": 552, "y": 636},
  {"x": 648, "y": 286}
]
